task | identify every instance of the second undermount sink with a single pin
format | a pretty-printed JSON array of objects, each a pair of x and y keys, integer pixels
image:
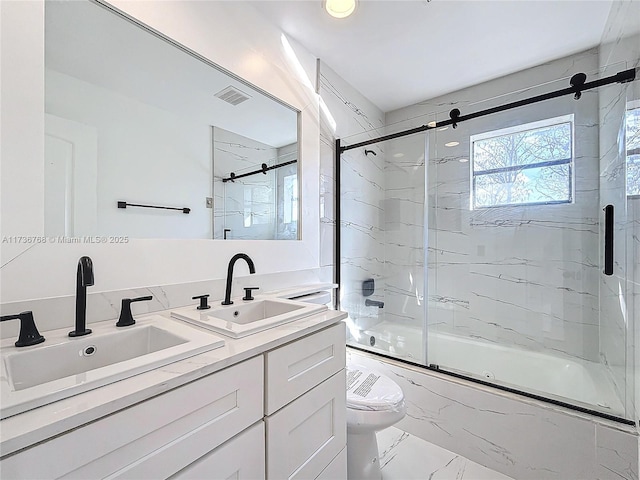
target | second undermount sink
[
  {"x": 248, "y": 317},
  {"x": 63, "y": 366}
]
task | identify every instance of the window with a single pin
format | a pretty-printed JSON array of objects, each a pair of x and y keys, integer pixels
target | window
[
  {"x": 633, "y": 151},
  {"x": 529, "y": 164},
  {"x": 290, "y": 199}
]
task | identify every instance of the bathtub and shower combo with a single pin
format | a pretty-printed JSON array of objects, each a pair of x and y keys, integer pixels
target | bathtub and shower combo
[{"x": 499, "y": 249}]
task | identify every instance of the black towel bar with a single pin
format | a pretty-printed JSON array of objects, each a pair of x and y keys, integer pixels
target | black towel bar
[{"x": 125, "y": 205}]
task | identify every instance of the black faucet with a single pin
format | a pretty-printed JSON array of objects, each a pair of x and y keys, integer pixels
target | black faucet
[
  {"x": 373, "y": 303},
  {"x": 84, "y": 279},
  {"x": 29, "y": 334},
  {"x": 126, "y": 318},
  {"x": 232, "y": 262}
]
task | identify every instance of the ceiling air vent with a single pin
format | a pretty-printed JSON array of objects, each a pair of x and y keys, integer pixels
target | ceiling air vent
[{"x": 232, "y": 95}]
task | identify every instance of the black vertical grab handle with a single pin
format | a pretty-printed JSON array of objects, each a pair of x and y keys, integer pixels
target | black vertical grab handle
[{"x": 608, "y": 239}]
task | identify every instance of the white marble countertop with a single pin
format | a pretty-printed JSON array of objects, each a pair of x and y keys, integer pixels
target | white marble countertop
[{"x": 33, "y": 426}]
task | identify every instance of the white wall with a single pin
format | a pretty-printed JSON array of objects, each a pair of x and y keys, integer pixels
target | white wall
[
  {"x": 233, "y": 35},
  {"x": 149, "y": 156}
]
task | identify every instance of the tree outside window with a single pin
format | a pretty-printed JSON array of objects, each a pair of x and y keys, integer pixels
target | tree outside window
[
  {"x": 633, "y": 151},
  {"x": 530, "y": 164}
]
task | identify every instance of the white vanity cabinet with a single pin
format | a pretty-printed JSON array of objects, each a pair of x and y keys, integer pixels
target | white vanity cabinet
[
  {"x": 278, "y": 415},
  {"x": 305, "y": 403},
  {"x": 153, "y": 439}
]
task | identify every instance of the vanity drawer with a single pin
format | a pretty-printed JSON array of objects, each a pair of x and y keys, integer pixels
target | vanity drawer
[
  {"x": 305, "y": 436},
  {"x": 190, "y": 421},
  {"x": 296, "y": 368},
  {"x": 241, "y": 458}
]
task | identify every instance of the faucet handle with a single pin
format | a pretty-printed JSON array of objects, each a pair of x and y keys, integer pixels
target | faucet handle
[
  {"x": 247, "y": 292},
  {"x": 203, "y": 301},
  {"x": 29, "y": 334},
  {"x": 126, "y": 318}
]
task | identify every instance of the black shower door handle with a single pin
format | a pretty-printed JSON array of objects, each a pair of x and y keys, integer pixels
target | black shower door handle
[{"x": 608, "y": 240}]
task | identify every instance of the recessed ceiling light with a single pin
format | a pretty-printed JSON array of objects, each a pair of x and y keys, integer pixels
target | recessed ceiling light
[
  {"x": 398, "y": 155},
  {"x": 451, "y": 144},
  {"x": 463, "y": 160},
  {"x": 340, "y": 8}
]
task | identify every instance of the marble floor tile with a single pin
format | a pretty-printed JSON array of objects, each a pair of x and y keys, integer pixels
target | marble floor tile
[{"x": 406, "y": 457}]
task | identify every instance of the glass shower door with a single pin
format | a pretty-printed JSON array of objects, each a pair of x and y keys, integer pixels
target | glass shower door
[
  {"x": 382, "y": 246},
  {"x": 517, "y": 293}
]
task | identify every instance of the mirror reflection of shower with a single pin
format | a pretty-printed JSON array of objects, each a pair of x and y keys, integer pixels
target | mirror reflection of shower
[{"x": 255, "y": 188}]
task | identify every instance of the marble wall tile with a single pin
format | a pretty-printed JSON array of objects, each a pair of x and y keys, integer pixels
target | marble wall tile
[
  {"x": 327, "y": 195},
  {"x": 616, "y": 454},
  {"x": 59, "y": 312},
  {"x": 362, "y": 195},
  {"x": 238, "y": 154}
]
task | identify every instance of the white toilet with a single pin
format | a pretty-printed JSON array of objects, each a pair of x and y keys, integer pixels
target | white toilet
[{"x": 374, "y": 402}]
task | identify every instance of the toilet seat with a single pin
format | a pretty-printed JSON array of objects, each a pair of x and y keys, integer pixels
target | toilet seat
[{"x": 371, "y": 391}]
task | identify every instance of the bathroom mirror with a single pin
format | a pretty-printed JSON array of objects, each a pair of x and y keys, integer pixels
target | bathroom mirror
[{"x": 145, "y": 139}]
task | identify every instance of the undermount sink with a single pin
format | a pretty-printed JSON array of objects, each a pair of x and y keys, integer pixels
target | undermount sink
[
  {"x": 247, "y": 317},
  {"x": 64, "y": 366}
]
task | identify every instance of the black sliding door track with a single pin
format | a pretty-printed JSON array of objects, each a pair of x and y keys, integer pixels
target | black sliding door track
[{"x": 578, "y": 86}]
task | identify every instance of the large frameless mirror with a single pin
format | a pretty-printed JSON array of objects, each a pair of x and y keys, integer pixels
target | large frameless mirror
[{"x": 145, "y": 139}]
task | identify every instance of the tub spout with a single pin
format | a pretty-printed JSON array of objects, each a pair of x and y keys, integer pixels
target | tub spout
[{"x": 373, "y": 303}]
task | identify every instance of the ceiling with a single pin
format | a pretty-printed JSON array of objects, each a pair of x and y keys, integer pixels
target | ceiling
[
  {"x": 397, "y": 53},
  {"x": 128, "y": 60}
]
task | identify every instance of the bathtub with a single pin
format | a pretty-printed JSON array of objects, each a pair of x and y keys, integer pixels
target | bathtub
[{"x": 571, "y": 380}]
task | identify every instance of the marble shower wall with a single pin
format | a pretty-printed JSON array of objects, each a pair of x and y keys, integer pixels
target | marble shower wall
[
  {"x": 238, "y": 154},
  {"x": 353, "y": 118},
  {"x": 523, "y": 276},
  {"x": 620, "y": 293}
]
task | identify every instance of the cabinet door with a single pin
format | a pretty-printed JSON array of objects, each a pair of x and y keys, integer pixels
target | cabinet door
[
  {"x": 296, "y": 368},
  {"x": 306, "y": 435},
  {"x": 241, "y": 458}
]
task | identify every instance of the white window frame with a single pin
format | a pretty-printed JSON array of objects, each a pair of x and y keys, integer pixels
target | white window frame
[
  {"x": 632, "y": 105},
  {"x": 518, "y": 129}
]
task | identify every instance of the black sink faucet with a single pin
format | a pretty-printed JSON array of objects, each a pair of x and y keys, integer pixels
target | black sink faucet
[
  {"x": 232, "y": 262},
  {"x": 84, "y": 279}
]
